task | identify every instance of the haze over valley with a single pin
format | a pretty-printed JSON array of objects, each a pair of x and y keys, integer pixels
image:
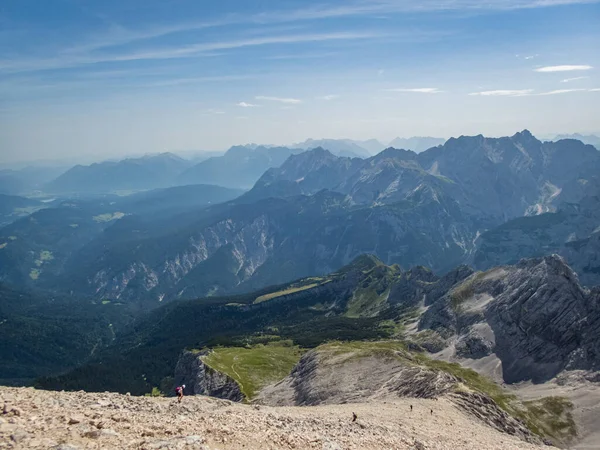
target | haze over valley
[{"x": 331, "y": 225}]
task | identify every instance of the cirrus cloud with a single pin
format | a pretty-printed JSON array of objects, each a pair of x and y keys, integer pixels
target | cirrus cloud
[
  {"x": 246, "y": 105},
  {"x": 562, "y": 91},
  {"x": 504, "y": 93},
  {"x": 568, "y": 80},
  {"x": 293, "y": 101},
  {"x": 565, "y": 68},
  {"x": 417, "y": 90}
]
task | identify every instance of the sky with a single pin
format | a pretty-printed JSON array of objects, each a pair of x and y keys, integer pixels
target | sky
[{"x": 98, "y": 79}]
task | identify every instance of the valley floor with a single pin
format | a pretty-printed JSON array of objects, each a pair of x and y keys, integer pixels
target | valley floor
[{"x": 77, "y": 420}]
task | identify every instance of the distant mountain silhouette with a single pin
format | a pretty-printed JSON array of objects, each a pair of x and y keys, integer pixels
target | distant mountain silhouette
[
  {"x": 148, "y": 172},
  {"x": 586, "y": 139},
  {"x": 339, "y": 147},
  {"x": 417, "y": 144}
]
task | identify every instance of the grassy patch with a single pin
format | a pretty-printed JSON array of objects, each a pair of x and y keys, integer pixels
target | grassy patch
[
  {"x": 290, "y": 290},
  {"x": 12, "y": 238},
  {"x": 106, "y": 302},
  {"x": 256, "y": 367},
  {"x": 366, "y": 303},
  {"x": 4, "y": 244},
  {"x": 552, "y": 417},
  {"x": 34, "y": 274},
  {"x": 466, "y": 290},
  {"x": 360, "y": 349},
  {"x": 46, "y": 255},
  {"x": 74, "y": 225},
  {"x": 108, "y": 217}
]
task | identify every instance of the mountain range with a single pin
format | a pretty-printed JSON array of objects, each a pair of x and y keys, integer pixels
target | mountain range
[
  {"x": 317, "y": 212},
  {"x": 132, "y": 174},
  {"x": 239, "y": 167},
  {"x": 396, "y": 273},
  {"x": 590, "y": 139}
]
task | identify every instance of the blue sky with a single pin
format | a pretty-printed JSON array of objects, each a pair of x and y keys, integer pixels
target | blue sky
[{"x": 93, "y": 79}]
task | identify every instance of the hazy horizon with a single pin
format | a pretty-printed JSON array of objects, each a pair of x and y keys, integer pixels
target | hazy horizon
[{"x": 88, "y": 82}]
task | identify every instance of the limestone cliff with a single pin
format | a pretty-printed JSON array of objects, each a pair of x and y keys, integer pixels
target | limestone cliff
[{"x": 200, "y": 379}]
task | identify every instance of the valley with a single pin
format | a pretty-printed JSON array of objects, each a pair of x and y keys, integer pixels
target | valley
[{"x": 333, "y": 280}]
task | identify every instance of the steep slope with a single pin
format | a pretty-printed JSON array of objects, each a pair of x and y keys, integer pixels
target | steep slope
[
  {"x": 306, "y": 173},
  {"x": 37, "y": 249},
  {"x": 352, "y": 372},
  {"x": 83, "y": 420},
  {"x": 573, "y": 232},
  {"x": 248, "y": 246},
  {"x": 238, "y": 168},
  {"x": 504, "y": 178},
  {"x": 534, "y": 317},
  {"x": 148, "y": 172}
]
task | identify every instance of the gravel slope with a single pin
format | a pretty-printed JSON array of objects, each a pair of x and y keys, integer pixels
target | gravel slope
[{"x": 77, "y": 420}]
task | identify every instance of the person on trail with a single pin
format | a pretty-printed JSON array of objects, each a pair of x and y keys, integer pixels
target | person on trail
[
  {"x": 411, "y": 407},
  {"x": 354, "y": 417},
  {"x": 179, "y": 392}
]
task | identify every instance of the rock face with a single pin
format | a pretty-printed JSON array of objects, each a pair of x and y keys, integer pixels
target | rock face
[
  {"x": 340, "y": 374},
  {"x": 573, "y": 232},
  {"x": 534, "y": 316},
  {"x": 200, "y": 379}
]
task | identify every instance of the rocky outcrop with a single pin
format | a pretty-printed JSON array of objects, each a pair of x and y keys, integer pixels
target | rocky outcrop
[
  {"x": 200, "y": 379},
  {"x": 340, "y": 374},
  {"x": 534, "y": 316}
]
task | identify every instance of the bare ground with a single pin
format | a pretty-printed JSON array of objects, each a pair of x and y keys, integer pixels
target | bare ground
[{"x": 77, "y": 420}]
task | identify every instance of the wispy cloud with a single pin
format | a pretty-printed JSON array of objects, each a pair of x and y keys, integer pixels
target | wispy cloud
[
  {"x": 300, "y": 56},
  {"x": 568, "y": 80},
  {"x": 565, "y": 68},
  {"x": 524, "y": 92},
  {"x": 504, "y": 93},
  {"x": 561, "y": 91},
  {"x": 595, "y": 90},
  {"x": 246, "y": 105},
  {"x": 118, "y": 35},
  {"x": 293, "y": 101},
  {"x": 527, "y": 57},
  {"x": 328, "y": 97},
  {"x": 213, "y": 112},
  {"x": 416, "y": 90},
  {"x": 193, "y": 50}
]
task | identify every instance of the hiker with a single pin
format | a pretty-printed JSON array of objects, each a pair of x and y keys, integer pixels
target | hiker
[
  {"x": 354, "y": 417},
  {"x": 411, "y": 407},
  {"x": 179, "y": 392}
]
